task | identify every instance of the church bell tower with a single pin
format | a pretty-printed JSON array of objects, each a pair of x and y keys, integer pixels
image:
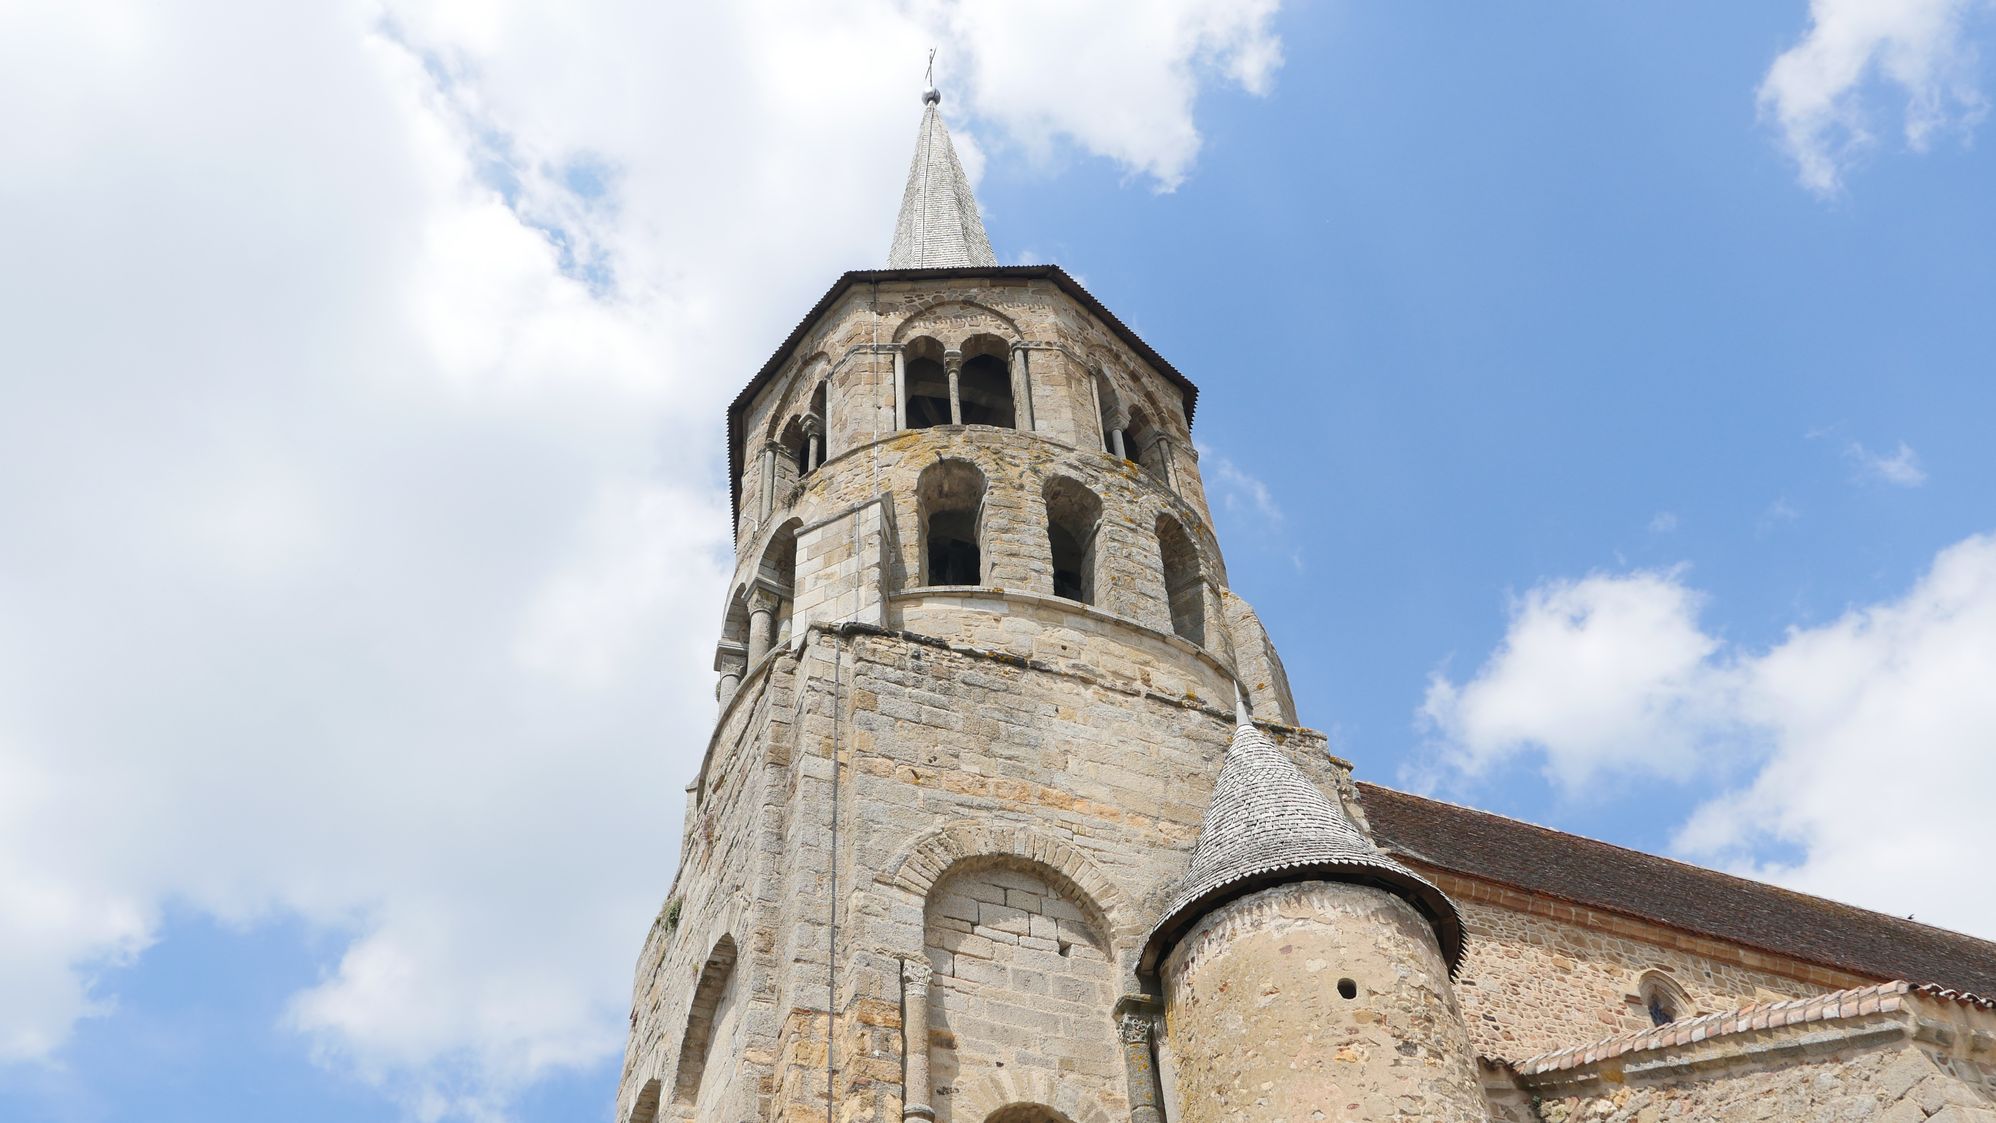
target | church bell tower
[{"x": 1006, "y": 816}]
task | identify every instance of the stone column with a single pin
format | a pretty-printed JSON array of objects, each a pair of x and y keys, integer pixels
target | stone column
[
  {"x": 1168, "y": 458},
  {"x": 814, "y": 435},
  {"x": 768, "y": 482},
  {"x": 730, "y": 659},
  {"x": 1022, "y": 387},
  {"x": 762, "y": 602},
  {"x": 900, "y": 390},
  {"x": 1137, "y": 1061},
  {"x": 953, "y": 362},
  {"x": 1116, "y": 441},
  {"x": 1095, "y": 406},
  {"x": 915, "y": 976}
]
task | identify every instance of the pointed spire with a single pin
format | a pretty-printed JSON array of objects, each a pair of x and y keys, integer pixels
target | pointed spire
[
  {"x": 939, "y": 225},
  {"x": 1269, "y": 825}
]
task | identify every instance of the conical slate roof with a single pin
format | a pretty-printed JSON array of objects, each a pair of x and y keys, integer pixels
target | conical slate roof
[
  {"x": 939, "y": 227},
  {"x": 1269, "y": 825}
]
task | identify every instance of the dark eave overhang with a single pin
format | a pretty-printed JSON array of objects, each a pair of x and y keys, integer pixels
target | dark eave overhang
[{"x": 1054, "y": 273}]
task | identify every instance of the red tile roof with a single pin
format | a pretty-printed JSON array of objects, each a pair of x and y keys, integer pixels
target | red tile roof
[
  {"x": 1882, "y": 998},
  {"x": 1686, "y": 897}
]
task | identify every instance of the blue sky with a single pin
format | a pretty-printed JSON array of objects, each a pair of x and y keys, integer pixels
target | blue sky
[{"x": 1594, "y": 401}]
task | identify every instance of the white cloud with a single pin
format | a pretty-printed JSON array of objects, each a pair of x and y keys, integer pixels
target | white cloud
[
  {"x": 1118, "y": 83},
  {"x": 1608, "y": 672},
  {"x": 1663, "y": 522},
  {"x": 1900, "y": 468},
  {"x": 1816, "y": 92},
  {"x": 1859, "y": 739},
  {"x": 365, "y": 369}
]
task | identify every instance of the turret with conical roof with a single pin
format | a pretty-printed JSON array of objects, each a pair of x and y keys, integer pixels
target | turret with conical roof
[
  {"x": 1304, "y": 973},
  {"x": 1267, "y": 825}
]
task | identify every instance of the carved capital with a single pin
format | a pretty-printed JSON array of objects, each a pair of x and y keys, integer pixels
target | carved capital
[
  {"x": 811, "y": 424},
  {"x": 1136, "y": 1028},
  {"x": 762, "y": 598},
  {"x": 916, "y": 974}
]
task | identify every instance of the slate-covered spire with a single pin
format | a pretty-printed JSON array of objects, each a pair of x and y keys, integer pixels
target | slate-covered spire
[
  {"x": 1268, "y": 825},
  {"x": 939, "y": 226}
]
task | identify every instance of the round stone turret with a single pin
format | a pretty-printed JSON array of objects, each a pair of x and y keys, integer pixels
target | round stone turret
[{"x": 1305, "y": 974}]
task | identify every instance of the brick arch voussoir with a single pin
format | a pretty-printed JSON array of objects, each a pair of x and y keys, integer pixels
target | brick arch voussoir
[
  {"x": 925, "y": 860},
  {"x": 996, "y": 1090},
  {"x": 804, "y": 380},
  {"x": 919, "y": 322}
]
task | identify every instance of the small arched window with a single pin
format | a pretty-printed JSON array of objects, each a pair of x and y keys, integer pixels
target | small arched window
[
  {"x": 1111, "y": 412},
  {"x": 1184, "y": 586},
  {"x": 1074, "y": 516},
  {"x": 815, "y": 432},
  {"x": 1662, "y": 998},
  {"x": 778, "y": 574},
  {"x": 950, "y": 503},
  {"x": 927, "y": 384},
  {"x": 796, "y": 448}
]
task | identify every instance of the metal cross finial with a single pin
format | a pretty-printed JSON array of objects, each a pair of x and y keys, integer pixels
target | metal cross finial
[{"x": 930, "y": 95}]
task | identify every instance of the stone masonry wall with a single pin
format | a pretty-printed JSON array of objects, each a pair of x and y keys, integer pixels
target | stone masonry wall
[
  {"x": 722, "y": 889},
  {"x": 860, "y": 541},
  {"x": 1066, "y": 772},
  {"x": 1531, "y": 984}
]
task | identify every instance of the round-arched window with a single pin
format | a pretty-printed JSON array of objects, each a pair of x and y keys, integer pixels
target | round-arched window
[{"x": 1662, "y": 998}]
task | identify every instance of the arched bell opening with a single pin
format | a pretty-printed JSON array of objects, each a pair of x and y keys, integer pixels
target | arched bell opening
[
  {"x": 926, "y": 399},
  {"x": 1184, "y": 584},
  {"x": 950, "y": 504},
  {"x": 984, "y": 384},
  {"x": 1074, "y": 520}
]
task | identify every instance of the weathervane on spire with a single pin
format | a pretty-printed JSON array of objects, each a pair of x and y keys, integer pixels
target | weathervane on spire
[{"x": 930, "y": 95}]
